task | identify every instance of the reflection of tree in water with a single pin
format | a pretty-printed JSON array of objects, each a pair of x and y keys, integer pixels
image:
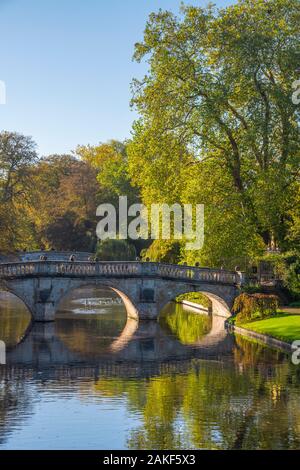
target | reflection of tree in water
[
  {"x": 214, "y": 406},
  {"x": 187, "y": 326},
  {"x": 277, "y": 385},
  {"x": 248, "y": 352},
  {"x": 252, "y": 402},
  {"x": 14, "y": 319},
  {"x": 16, "y": 402}
]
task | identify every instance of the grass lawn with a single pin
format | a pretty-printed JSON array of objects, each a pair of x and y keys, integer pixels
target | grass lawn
[{"x": 284, "y": 326}]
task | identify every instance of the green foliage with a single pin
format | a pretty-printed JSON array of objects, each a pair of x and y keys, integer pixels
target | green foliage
[
  {"x": 115, "y": 250},
  {"x": 163, "y": 251},
  {"x": 63, "y": 201},
  {"x": 252, "y": 288},
  {"x": 249, "y": 307},
  {"x": 218, "y": 125},
  {"x": 66, "y": 232},
  {"x": 231, "y": 320},
  {"x": 196, "y": 297},
  {"x": 17, "y": 157},
  {"x": 287, "y": 268},
  {"x": 293, "y": 222},
  {"x": 51, "y": 202},
  {"x": 111, "y": 164},
  {"x": 292, "y": 280}
]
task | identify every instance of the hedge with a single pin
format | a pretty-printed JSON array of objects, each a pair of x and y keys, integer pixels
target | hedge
[{"x": 248, "y": 307}]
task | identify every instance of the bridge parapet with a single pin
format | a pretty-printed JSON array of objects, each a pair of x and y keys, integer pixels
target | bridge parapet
[
  {"x": 198, "y": 274},
  {"x": 117, "y": 269}
]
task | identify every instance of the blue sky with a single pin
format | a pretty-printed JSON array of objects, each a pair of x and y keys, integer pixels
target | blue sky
[{"x": 67, "y": 66}]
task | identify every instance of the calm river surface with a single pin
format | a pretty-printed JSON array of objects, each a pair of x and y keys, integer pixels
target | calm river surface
[{"x": 95, "y": 380}]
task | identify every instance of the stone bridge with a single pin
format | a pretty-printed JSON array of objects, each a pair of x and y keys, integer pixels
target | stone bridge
[{"x": 144, "y": 287}]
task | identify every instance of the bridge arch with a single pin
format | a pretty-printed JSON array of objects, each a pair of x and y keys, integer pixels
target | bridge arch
[
  {"x": 130, "y": 308},
  {"x": 114, "y": 338},
  {"x": 16, "y": 318},
  {"x": 221, "y": 297},
  {"x": 18, "y": 295}
]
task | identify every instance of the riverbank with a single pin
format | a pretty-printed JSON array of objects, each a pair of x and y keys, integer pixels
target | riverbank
[
  {"x": 279, "y": 331},
  {"x": 260, "y": 338},
  {"x": 285, "y": 327}
]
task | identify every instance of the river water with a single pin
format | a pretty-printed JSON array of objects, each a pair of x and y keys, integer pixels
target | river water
[{"x": 94, "y": 379}]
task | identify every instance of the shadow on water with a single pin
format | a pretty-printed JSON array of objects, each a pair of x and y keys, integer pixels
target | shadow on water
[{"x": 179, "y": 383}]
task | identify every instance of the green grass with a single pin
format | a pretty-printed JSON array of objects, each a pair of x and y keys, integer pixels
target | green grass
[{"x": 284, "y": 326}]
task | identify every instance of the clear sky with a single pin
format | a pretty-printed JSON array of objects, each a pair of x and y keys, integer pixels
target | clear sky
[{"x": 67, "y": 66}]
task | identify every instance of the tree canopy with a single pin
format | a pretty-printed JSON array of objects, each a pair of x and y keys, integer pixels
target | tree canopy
[{"x": 218, "y": 124}]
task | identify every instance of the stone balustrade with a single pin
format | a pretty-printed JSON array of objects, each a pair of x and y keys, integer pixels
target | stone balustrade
[{"x": 117, "y": 269}]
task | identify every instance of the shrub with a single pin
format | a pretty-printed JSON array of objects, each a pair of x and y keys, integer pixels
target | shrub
[
  {"x": 253, "y": 288},
  {"x": 249, "y": 307}
]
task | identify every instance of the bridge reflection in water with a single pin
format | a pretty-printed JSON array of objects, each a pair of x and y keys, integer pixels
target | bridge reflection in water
[
  {"x": 107, "y": 336},
  {"x": 101, "y": 380}
]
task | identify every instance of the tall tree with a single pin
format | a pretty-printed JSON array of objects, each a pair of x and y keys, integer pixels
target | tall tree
[
  {"x": 17, "y": 157},
  {"x": 219, "y": 85},
  {"x": 64, "y": 201},
  {"x": 110, "y": 161}
]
